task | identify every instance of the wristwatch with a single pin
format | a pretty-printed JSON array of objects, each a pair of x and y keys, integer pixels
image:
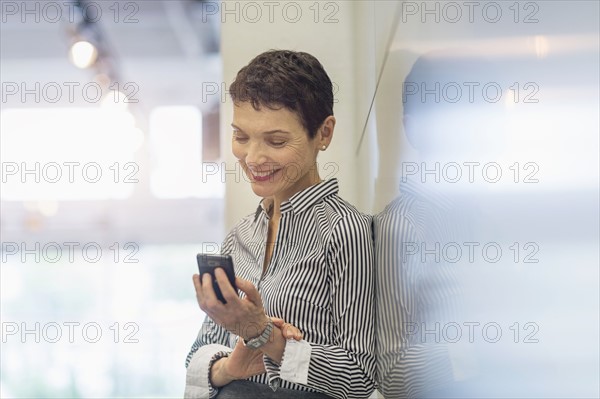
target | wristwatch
[{"x": 263, "y": 338}]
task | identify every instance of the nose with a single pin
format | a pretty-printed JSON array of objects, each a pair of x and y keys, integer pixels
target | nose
[{"x": 256, "y": 156}]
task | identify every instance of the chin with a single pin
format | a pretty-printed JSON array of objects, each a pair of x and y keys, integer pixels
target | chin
[{"x": 261, "y": 190}]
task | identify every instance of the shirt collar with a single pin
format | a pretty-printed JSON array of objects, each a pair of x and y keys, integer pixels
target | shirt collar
[{"x": 302, "y": 200}]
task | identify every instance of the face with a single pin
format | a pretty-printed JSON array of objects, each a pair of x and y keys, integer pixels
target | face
[{"x": 274, "y": 151}]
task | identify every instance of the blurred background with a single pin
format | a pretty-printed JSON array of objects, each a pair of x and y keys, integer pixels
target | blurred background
[{"x": 117, "y": 170}]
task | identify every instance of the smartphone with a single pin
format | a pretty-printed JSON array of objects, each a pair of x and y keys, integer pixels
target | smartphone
[{"x": 208, "y": 263}]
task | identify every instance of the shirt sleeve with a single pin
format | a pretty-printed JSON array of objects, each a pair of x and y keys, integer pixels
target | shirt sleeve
[
  {"x": 211, "y": 344},
  {"x": 346, "y": 367}
]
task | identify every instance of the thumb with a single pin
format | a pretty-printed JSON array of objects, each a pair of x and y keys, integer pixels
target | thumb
[{"x": 249, "y": 289}]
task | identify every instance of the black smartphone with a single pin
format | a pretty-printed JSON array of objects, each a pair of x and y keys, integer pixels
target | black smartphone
[{"x": 208, "y": 263}]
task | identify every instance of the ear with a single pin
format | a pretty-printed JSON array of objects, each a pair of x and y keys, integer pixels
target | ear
[{"x": 325, "y": 132}]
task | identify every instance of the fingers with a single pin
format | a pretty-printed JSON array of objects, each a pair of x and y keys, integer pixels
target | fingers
[
  {"x": 226, "y": 288},
  {"x": 205, "y": 292},
  {"x": 197, "y": 284},
  {"x": 251, "y": 292},
  {"x": 291, "y": 332},
  {"x": 287, "y": 330}
]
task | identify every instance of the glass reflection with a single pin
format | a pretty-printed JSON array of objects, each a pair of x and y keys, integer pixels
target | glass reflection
[{"x": 488, "y": 253}]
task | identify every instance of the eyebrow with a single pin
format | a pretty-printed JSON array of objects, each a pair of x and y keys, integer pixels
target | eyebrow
[{"x": 267, "y": 132}]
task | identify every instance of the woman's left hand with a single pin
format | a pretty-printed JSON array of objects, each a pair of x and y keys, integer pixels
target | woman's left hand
[
  {"x": 241, "y": 364},
  {"x": 241, "y": 316},
  {"x": 244, "y": 362}
]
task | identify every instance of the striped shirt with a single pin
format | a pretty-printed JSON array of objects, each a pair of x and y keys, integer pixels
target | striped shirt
[
  {"x": 414, "y": 291},
  {"x": 319, "y": 279}
]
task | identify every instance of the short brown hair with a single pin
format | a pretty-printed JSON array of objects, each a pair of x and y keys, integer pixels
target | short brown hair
[{"x": 289, "y": 79}]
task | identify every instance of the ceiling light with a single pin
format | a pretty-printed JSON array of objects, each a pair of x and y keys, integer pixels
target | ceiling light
[{"x": 83, "y": 54}]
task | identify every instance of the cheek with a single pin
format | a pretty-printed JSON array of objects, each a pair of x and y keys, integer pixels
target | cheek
[
  {"x": 240, "y": 156},
  {"x": 237, "y": 151},
  {"x": 297, "y": 162},
  {"x": 300, "y": 153}
]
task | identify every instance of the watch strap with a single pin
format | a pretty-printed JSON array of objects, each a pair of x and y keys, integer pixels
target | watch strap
[{"x": 262, "y": 339}]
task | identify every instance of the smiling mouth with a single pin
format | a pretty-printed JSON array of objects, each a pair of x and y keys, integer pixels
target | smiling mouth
[{"x": 263, "y": 176}]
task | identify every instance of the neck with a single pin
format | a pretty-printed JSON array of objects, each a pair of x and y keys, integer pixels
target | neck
[{"x": 277, "y": 200}]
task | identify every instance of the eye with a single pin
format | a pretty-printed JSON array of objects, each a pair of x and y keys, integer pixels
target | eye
[
  {"x": 277, "y": 143},
  {"x": 239, "y": 138}
]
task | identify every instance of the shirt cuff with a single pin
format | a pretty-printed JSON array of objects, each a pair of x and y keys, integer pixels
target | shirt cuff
[
  {"x": 294, "y": 364},
  {"x": 197, "y": 382}
]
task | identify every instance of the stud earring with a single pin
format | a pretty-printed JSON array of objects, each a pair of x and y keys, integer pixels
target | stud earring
[{"x": 324, "y": 147}]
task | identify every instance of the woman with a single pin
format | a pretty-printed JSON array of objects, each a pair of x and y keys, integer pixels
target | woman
[{"x": 305, "y": 256}]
